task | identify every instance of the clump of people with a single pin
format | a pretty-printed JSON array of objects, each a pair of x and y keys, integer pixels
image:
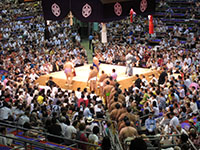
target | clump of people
[{"x": 167, "y": 104}]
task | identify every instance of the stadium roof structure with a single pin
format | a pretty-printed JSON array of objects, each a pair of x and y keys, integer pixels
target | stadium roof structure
[{"x": 96, "y": 10}]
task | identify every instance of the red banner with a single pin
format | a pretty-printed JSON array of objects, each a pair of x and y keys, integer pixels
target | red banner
[{"x": 151, "y": 29}]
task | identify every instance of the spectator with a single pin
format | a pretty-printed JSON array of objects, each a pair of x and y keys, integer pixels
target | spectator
[
  {"x": 174, "y": 122},
  {"x": 150, "y": 125},
  {"x": 82, "y": 136},
  {"x": 106, "y": 144},
  {"x": 55, "y": 129},
  {"x": 163, "y": 77},
  {"x": 93, "y": 137},
  {"x": 3, "y": 140},
  {"x": 138, "y": 144}
]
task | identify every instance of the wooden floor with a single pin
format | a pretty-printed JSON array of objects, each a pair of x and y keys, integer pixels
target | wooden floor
[{"x": 83, "y": 72}]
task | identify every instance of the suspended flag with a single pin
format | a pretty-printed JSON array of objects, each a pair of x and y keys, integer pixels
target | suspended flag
[
  {"x": 151, "y": 30},
  {"x": 131, "y": 15},
  {"x": 86, "y": 10},
  {"x": 96, "y": 10},
  {"x": 103, "y": 33},
  {"x": 70, "y": 18},
  {"x": 55, "y": 9}
]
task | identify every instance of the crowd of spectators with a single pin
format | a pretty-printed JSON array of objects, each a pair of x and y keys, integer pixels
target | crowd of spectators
[
  {"x": 175, "y": 98},
  {"x": 146, "y": 108},
  {"x": 124, "y": 36},
  {"x": 24, "y": 41},
  {"x": 163, "y": 104},
  {"x": 28, "y": 51}
]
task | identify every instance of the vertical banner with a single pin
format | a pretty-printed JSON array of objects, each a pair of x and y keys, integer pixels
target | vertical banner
[
  {"x": 151, "y": 28},
  {"x": 103, "y": 33}
]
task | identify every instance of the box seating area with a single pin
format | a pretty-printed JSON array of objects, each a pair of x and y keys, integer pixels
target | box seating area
[{"x": 178, "y": 17}]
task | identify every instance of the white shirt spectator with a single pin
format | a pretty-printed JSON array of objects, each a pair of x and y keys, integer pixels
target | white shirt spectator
[
  {"x": 182, "y": 93},
  {"x": 5, "y": 112},
  {"x": 156, "y": 111},
  {"x": 93, "y": 137},
  {"x": 33, "y": 76},
  {"x": 185, "y": 67},
  {"x": 3, "y": 140},
  {"x": 64, "y": 128},
  {"x": 78, "y": 38},
  {"x": 174, "y": 122},
  {"x": 97, "y": 109},
  {"x": 90, "y": 127},
  {"x": 74, "y": 116},
  {"x": 46, "y": 88},
  {"x": 144, "y": 80},
  {"x": 17, "y": 112},
  {"x": 188, "y": 61},
  {"x": 23, "y": 119},
  {"x": 154, "y": 79},
  {"x": 87, "y": 112},
  {"x": 70, "y": 130},
  {"x": 170, "y": 65},
  {"x": 187, "y": 82},
  {"x": 194, "y": 107},
  {"x": 54, "y": 91}
]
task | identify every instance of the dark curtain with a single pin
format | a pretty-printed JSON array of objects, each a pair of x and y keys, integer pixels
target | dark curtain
[{"x": 95, "y": 10}]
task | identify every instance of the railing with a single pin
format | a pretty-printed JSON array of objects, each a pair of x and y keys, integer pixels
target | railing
[
  {"x": 155, "y": 138},
  {"x": 27, "y": 144},
  {"x": 115, "y": 143},
  {"x": 75, "y": 142},
  {"x": 192, "y": 144},
  {"x": 113, "y": 135}
]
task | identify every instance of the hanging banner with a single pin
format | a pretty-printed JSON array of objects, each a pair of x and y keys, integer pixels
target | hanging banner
[
  {"x": 151, "y": 28},
  {"x": 55, "y": 9},
  {"x": 104, "y": 33},
  {"x": 96, "y": 10},
  {"x": 86, "y": 10}
]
